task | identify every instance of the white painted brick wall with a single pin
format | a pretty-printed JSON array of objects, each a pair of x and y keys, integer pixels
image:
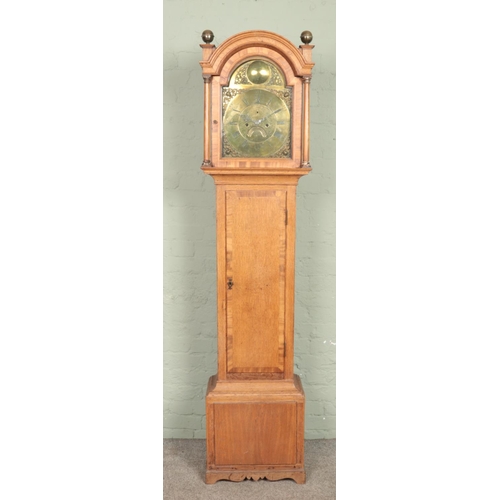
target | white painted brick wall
[{"x": 190, "y": 347}]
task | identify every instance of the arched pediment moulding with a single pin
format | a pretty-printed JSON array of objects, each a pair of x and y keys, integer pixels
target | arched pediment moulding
[{"x": 249, "y": 44}]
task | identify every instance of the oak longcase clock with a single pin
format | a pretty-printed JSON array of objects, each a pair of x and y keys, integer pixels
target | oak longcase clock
[{"x": 256, "y": 148}]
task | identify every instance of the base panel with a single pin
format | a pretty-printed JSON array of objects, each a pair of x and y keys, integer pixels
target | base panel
[{"x": 255, "y": 430}]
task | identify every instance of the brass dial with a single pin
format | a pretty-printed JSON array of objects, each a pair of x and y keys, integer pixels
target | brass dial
[{"x": 256, "y": 123}]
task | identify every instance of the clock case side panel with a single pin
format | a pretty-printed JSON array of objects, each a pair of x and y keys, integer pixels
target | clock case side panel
[
  {"x": 222, "y": 80},
  {"x": 221, "y": 280}
]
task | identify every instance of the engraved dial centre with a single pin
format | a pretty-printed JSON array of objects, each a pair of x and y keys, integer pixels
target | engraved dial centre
[{"x": 257, "y": 123}]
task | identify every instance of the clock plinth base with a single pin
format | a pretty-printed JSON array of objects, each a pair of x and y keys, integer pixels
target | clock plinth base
[
  {"x": 212, "y": 476},
  {"x": 255, "y": 430}
]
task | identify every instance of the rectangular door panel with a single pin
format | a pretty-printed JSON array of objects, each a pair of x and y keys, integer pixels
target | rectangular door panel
[
  {"x": 255, "y": 434},
  {"x": 255, "y": 273}
]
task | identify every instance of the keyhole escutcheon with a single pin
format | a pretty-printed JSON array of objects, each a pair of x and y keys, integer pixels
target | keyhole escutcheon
[{"x": 230, "y": 283}]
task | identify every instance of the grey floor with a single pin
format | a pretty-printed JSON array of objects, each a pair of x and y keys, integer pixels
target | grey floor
[{"x": 184, "y": 475}]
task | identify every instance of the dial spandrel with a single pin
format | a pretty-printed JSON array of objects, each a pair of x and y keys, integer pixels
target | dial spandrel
[{"x": 256, "y": 113}]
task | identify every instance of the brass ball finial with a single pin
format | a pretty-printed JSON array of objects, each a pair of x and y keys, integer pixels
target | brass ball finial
[
  {"x": 306, "y": 37},
  {"x": 207, "y": 36}
]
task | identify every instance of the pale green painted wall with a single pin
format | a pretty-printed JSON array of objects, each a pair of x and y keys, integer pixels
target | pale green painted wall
[{"x": 189, "y": 211}]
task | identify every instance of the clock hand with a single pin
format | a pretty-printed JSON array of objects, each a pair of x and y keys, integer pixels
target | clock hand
[
  {"x": 248, "y": 119},
  {"x": 267, "y": 116}
]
